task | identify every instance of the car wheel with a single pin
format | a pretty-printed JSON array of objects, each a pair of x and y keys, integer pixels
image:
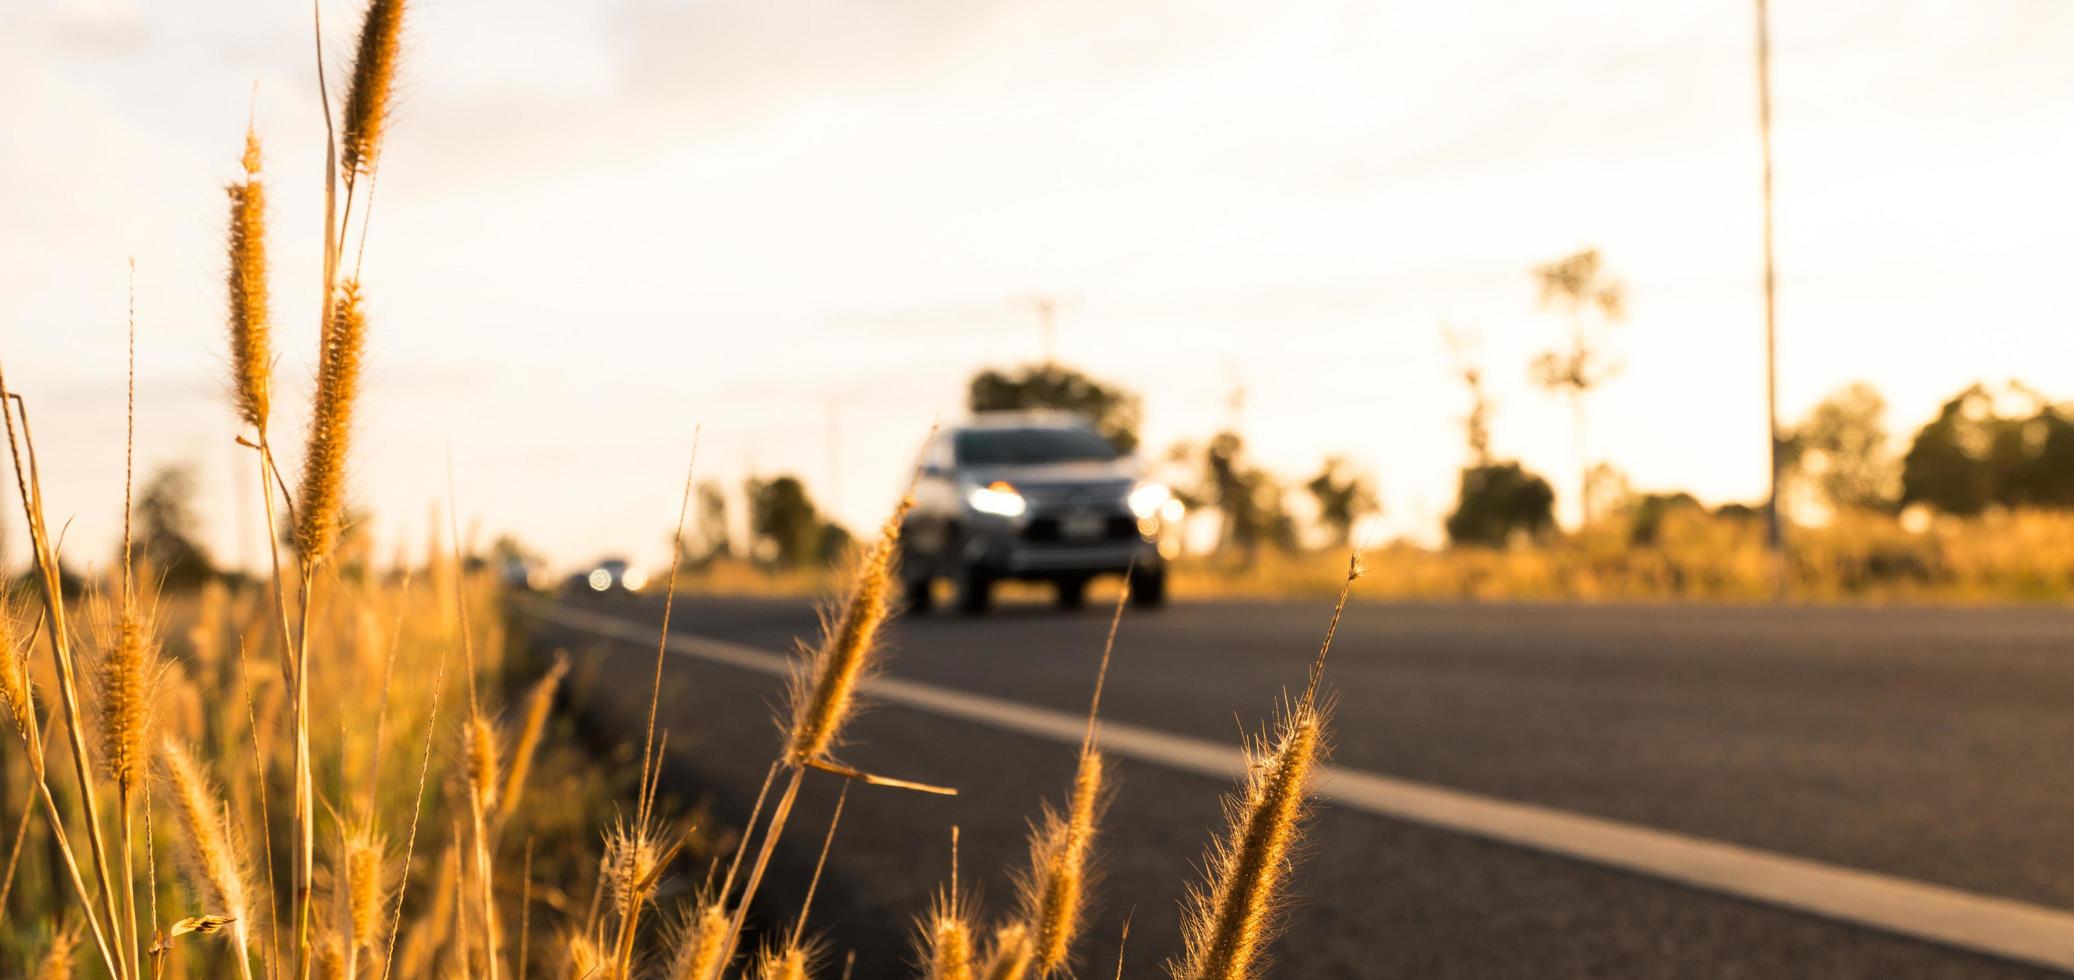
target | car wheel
[
  {"x": 975, "y": 591},
  {"x": 1072, "y": 592},
  {"x": 917, "y": 594},
  {"x": 1148, "y": 589}
]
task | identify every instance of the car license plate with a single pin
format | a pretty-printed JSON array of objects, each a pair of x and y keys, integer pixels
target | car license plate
[{"x": 1080, "y": 527}]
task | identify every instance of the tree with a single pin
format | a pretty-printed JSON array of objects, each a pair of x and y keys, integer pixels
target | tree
[
  {"x": 1841, "y": 450},
  {"x": 1477, "y": 424},
  {"x": 1972, "y": 457},
  {"x": 166, "y": 528},
  {"x": 1344, "y": 497},
  {"x": 1499, "y": 501},
  {"x": 1114, "y": 411},
  {"x": 709, "y": 537},
  {"x": 787, "y": 530},
  {"x": 1579, "y": 288},
  {"x": 1247, "y": 496}
]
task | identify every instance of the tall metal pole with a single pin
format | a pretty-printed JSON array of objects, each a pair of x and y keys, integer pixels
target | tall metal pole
[{"x": 1772, "y": 530}]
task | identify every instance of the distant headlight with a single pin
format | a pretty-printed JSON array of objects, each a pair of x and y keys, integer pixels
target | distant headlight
[
  {"x": 599, "y": 580},
  {"x": 633, "y": 579},
  {"x": 1147, "y": 499},
  {"x": 998, "y": 498}
]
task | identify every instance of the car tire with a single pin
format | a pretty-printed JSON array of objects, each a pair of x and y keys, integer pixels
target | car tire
[
  {"x": 1071, "y": 592},
  {"x": 917, "y": 595},
  {"x": 1148, "y": 589},
  {"x": 975, "y": 591}
]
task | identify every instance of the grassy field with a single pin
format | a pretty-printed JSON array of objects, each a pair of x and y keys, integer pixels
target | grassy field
[{"x": 2025, "y": 556}]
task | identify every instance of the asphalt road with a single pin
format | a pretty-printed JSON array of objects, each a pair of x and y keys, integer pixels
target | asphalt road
[{"x": 1922, "y": 743}]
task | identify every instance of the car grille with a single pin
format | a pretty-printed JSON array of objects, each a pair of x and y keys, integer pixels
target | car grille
[
  {"x": 1045, "y": 530},
  {"x": 1104, "y": 496}
]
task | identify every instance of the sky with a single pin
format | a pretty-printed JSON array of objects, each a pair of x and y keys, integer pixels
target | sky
[{"x": 796, "y": 228}]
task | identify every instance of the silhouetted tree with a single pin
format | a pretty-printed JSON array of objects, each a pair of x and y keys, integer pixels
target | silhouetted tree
[
  {"x": 1344, "y": 497},
  {"x": 1971, "y": 457},
  {"x": 788, "y": 531},
  {"x": 166, "y": 528},
  {"x": 1499, "y": 501},
  {"x": 1646, "y": 514},
  {"x": 1114, "y": 411},
  {"x": 1841, "y": 450},
  {"x": 783, "y": 521},
  {"x": 1579, "y": 288},
  {"x": 709, "y": 537},
  {"x": 1247, "y": 496}
]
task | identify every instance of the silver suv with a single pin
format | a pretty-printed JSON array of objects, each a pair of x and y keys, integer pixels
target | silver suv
[{"x": 1035, "y": 497}]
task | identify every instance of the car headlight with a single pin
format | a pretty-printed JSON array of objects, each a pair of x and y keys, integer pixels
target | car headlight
[
  {"x": 633, "y": 579},
  {"x": 599, "y": 580},
  {"x": 1147, "y": 500},
  {"x": 998, "y": 498}
]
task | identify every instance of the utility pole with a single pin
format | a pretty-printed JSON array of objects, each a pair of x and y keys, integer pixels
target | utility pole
[
  {"x": 1047, "y": 310},
  {"x": 1773, "y": 536}
]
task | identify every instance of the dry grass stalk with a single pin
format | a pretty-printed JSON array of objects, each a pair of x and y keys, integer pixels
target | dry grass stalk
[
  {"x": 209, "y": 854},
  {"x": 251, "y": 356},
  {"x": 318, "y": 516},
  {"x": 1230, "y": 919},
  {"x": 539, "y": 705}
]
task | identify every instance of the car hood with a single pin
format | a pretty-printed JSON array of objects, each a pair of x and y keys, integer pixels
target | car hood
[{"x": 1079, "y": 471}]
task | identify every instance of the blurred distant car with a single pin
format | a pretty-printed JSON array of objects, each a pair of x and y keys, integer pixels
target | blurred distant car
[
  {"x": 1033, "y": 497},
  {"x": 611, "y": 576}
]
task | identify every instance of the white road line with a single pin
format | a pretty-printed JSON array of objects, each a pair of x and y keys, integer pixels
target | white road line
[{"x": 1980, "y": 923}]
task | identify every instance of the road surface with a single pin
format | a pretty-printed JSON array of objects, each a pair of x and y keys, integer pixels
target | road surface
[{"x": 1924, "y": 745}]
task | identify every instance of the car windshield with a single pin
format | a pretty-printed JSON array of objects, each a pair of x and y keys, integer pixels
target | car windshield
[{"x": 1016, "y": 447}]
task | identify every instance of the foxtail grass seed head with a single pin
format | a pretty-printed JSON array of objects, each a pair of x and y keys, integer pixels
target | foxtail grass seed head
[
  {"x": 15, "y": 687},
  {"x": 374, "y": 75},
  {"x": 585, "y": 960},
  {"x": 1012, "y": 953},
  {"x": 1054, "y": 893},
  {"x": 632, "y": 863},
  {"x": 319, "y": 511},
  {"x": 787, "y": 962},
  {"x": 1231, "y": 918},
  {"x": 481, "y": 748},
  {"x": 251, "y": 356},
  {"x": 57, "y": 962},
  {"x": 126, "y": 672},
  {"x": 700, "y": 943},
  {"x": 823, "y": 691},
  {"x": 364, "y": 892},
  {"x": 947, "y": 941},
  {"x": 209, "y": 852}
]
